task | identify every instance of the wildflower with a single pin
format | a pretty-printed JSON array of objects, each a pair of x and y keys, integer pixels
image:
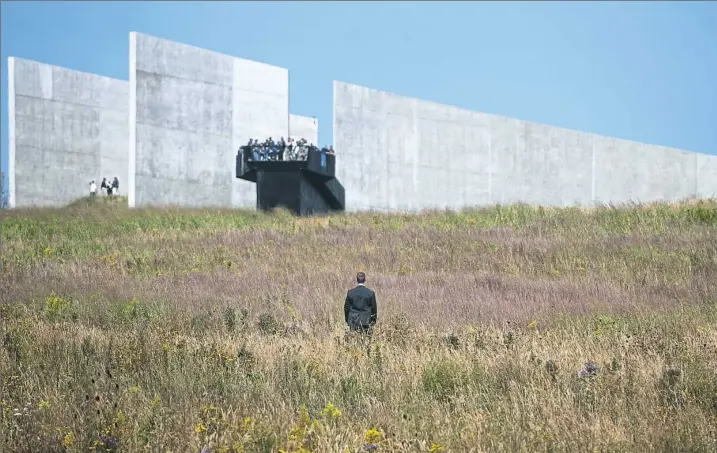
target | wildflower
[
  {"x": 589, "y": 370},
  {"x": 69, "y": 440},
  {"x": 369, "y": 447},
  {"x": 44, "y": 404},
  {"x": 436, "y": 447},
  {"x": 532, "y": 324},
  {"x": 331, "y": 411},
  {"x": 107, "y": 441},
  {"x": 200, "y": 428},
  {"x": 372, "y": 436}
]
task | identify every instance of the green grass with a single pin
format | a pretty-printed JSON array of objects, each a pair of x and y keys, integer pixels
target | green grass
[{"x": 176, "y": 330}]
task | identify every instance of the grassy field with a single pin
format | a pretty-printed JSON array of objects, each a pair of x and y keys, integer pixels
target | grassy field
[{"x": 508, "y": 329}]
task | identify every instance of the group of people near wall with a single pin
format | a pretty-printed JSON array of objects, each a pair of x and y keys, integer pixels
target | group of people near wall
[
  {"x": 282, "y": 150},
  {"x": 111, "y": 188}
]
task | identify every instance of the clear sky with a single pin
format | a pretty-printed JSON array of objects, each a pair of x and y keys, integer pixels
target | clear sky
[{"x": 643, "y": 71}]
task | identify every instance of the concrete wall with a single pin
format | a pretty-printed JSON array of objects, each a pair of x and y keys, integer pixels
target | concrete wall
[
  {"x": 305, "y": 127},
  {"x": 65, "y": 128},
  {"x": 706, "y": 176},
  {"x": 400, "y": 153},
  {"x": 190, "y": 110}
]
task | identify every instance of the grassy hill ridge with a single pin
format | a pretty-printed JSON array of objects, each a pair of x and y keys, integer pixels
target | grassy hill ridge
[{"x": 501, "y": 329}]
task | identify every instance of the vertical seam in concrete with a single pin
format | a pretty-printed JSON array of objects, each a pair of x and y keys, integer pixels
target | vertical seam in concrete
[
  {"x": 697, "y": 176},
  {"x": 132, "y": 119},
  {"x": 416, "y": 157},
  {"x": 288, "y": 106},
  {"x": 490, "y": 166},
  {"x": 236, "y": 198},
  {"x": 592, "y": 177},
  {"x": 338, "y": 167},
  {"x": 386, "y": 200},
  {"x": 11, "y": 131}
]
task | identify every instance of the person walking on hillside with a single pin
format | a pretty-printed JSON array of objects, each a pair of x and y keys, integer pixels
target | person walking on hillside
[
  {"x": 360, "y": 311},
  {"x": 115, "y": 186},
  {"x": 93, "y": 189}
]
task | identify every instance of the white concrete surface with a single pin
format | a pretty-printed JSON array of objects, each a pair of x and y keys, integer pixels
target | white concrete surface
[
  {"x": 396, "y": 153},
  {"x": 305, "y": 127},
  {"x": 191, "y": 110},
  {"x": 66, "y": 128}
]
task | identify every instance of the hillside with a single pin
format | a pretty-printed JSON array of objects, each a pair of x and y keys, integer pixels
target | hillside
[{"x": 176, "y": 330}]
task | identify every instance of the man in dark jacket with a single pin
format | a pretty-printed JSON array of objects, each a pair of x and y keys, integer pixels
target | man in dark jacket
[{"x": 360, "y": 311}]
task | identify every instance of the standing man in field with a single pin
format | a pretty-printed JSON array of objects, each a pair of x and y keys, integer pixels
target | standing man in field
[{"x": 360, "y": 311}]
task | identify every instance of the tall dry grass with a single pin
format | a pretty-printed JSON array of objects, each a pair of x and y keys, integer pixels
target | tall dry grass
[{"x": 175, "y": 330}]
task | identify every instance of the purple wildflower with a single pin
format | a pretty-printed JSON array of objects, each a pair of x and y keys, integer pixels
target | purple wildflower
[
  {"x": 108, "y": 441},
  {"x": 590, "y": 369}
]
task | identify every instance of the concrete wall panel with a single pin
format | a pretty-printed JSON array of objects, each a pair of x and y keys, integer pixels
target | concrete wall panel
[
  {"x": 305, "y": 127},
  {"x": 66, "y": 128},
  {"x": 555, "y": 167},
  {"x": 444, "y": 157},
  {"x": 634, "y": 172},
  {"x": 706, "y": 176},
  {"x": 507, "y": 146},
  {"x": 260, "y": 109},
  {"x": 190, "y": 110},
  {"x": 413, "y": 155}
]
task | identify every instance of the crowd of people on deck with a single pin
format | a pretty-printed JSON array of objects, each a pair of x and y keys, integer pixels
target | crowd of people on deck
[{"x": 282, "y": 149}]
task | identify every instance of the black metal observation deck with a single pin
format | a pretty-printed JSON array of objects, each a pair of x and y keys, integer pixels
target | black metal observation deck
[{"x": 305, "y": 187}]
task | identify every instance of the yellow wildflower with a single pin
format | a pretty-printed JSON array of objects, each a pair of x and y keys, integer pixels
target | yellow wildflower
[
  {"x": 436, "y": 447},
  {"x": 331, "y": 411},
  {"x": 69, "y": 440},
  {"x": 373, "y": 436}
]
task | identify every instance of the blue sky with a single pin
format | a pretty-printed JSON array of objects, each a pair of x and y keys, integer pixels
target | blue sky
[{"x": 641, "y": 71}]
